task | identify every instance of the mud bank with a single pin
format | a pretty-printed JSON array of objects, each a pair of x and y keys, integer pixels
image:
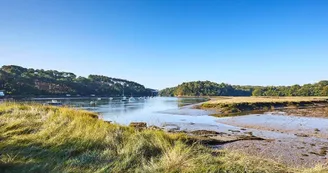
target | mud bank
[
  {"x": 298, "y": 141},
  {"x": 232, "y": 106}
]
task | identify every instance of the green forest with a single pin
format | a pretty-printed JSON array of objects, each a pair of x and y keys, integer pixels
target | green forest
[
  {"x": 19, "y": 81},
  {"x": 207, "y": 88}
]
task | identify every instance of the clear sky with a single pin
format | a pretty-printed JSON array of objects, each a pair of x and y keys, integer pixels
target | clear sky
[{"x": 165, "y": 42}]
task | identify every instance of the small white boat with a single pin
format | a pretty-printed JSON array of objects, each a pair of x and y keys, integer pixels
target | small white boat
[
  {"x": 93, "y": 103},
  {"x": 124, "y": 99},
  {"x": 99, "y": 98},
  {"x": 131, "y": 99},
  {"x": 54, "y": 103},
  {"x": 110, "y": 98}
]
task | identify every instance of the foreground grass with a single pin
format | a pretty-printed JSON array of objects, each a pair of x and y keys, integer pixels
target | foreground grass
[
  {"x": 35, "y": 138},
  {"x": 230, "y": 106}
]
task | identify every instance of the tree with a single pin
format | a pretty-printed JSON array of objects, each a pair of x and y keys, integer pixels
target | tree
[{"x": 257, "y": 92}]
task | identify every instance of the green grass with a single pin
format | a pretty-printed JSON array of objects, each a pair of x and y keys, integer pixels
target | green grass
[{"x": 35, "y": 138}]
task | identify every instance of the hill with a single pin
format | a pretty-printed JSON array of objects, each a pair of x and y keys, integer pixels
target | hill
[
  {"x": 20, "y": 81},
  {"x": 208, "y": 88}
]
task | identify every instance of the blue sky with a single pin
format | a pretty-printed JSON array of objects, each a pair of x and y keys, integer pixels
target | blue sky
[{"x": 163, "y": 43}]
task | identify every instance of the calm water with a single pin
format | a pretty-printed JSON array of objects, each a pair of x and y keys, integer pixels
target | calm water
[
  {"x": 168, "y": 112},
  {"x": 174, "y": 113}
]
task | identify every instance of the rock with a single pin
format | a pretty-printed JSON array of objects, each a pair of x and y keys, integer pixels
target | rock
[
  {"x": 250, "y": 138},
  {"x": 204, "y": 132},
  {"x": 172, "y": 128},
  {"x": 234, "y": 131},
  {"x": 169, "y": 127},
  {"x": 138, "y": 125},
  {"x": 249, "y": 133},
  {"x": 108, "y": 122},
  {"x": 301, "y": 135},
  {"x": 154, "y": 128}
]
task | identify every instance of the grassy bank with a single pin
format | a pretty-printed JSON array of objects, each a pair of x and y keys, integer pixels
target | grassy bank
[
  {"x": 239, "y": 105},
  {"x": 35, "y": 138}
]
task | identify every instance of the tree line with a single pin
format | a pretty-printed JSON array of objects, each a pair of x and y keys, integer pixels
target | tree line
[
  {"x": 208, "y": 88},
  {"x": 16, "y": 80}
]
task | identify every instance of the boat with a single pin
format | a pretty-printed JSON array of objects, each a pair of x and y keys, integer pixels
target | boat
[
  {"x": 124, "y": 99},
  {"x": 93, "y": 103},
  {"x": 132, "y": 99},
  {"x": 54, "y": 103},
  {"x": 99, "y": 98},
  {"x": 110, "y": 98}
]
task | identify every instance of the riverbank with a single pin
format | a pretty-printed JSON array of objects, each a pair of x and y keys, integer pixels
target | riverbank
[
  {"x": 295, "y": 127},
  {"x": 37, "y": 138},
  {"x": 232, "y": 106}
]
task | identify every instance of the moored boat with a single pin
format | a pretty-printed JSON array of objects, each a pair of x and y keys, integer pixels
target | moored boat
[{"x": 54, "y": 103}]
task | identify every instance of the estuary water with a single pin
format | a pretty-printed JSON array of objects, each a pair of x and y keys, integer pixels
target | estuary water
[
  {"x": 173, "y": 113},
  {"x": 166, "y": 112}
]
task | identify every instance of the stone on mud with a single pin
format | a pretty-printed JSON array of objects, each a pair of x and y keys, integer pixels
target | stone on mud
[{"x": 138, "y": 125}]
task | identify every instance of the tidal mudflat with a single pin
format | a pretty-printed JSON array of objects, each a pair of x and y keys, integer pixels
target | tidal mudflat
[
  {"x": 295, "y": 129},
  {"x": 300, "y": 141}
]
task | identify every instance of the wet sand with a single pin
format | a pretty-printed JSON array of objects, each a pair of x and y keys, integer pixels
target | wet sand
[{"x": 303, "y": 141}]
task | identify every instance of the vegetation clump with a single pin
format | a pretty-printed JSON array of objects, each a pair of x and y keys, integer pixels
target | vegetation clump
[{"x": 37, "y": 138}]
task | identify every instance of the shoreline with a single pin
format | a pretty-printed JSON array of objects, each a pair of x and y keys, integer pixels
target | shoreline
[{"x": 235, "y": 106}]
